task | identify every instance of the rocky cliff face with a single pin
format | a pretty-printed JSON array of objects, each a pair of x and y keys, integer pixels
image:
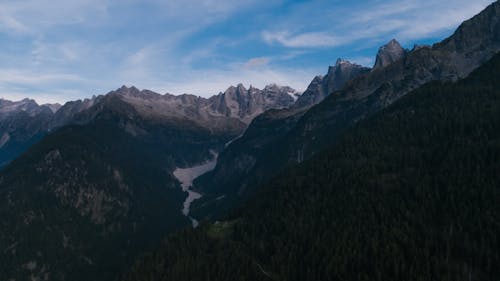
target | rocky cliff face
[
  {"x": 322, "y": 86},
  {"x": 245, "y": 104},
  {"x": 388, "y": 54},
  {"x": 474, "y": 43}
]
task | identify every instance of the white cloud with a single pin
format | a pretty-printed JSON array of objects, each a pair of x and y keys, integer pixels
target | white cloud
[
  {"x": 34, "y": 16},
  {"x": 370, "y": 20},
  {"x": 18, "y": 84},
  {"x": 257, "y": 62},
  {"x": 365, "y": 61},
  {"x": 8, "y": 23},
  {"x": 204, "y": 11},
  {"x": 412, "y": 19},
  {"x": 207, "y": 83},
  {"x": 14, "y": 76},
  {"x": 117, "y": 43},
  {"x": 308, "y": 39}
]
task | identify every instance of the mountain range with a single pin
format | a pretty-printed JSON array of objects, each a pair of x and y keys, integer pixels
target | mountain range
[
  {"x": 279, "y": 138},
  {"x": 335, "y": 183},
  {"x": 411, "y": 193},
  {"x": 25, "y": 122}
]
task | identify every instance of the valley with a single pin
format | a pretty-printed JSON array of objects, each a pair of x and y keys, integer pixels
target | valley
[{"x": 382, "y": 168}]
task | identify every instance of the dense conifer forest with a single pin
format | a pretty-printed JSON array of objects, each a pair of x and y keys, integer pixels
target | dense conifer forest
[{"x": 412, "y": 193}]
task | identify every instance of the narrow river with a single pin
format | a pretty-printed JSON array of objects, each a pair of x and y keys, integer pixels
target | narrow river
[{"x": 186, "y": 176}]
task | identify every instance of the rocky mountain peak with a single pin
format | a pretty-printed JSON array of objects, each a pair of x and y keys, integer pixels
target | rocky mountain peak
[
  {"x": 27, "y": 105},
  {"x": 316, "y": 80},
  {"x": 54, "y": 107},
  {"x": 388, "y": 54},
  {"x": 253, "y": 89},
  {"x": 276, "y": 88},
  {"x": 241, "y": 87},
  {"x": 245, "y": 104},
  {"x": 127, "y": 91},
  {"x": 320, "y": 87},
  {"x": 341, "y": 61}
]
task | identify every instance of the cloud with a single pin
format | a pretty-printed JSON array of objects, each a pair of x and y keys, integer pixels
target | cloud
[
  {"x": 412, "y": 19},
  {"x": 34, "y": 16},
  {"x": 207, "y": 83},
  {"x": 343, "y": 24},
  {"x": 8, "y": 23},
  {"x": 257, "y": 62},
  {"x": 73, "y": 49},
  {"x": 14, "y": 76},
  {"x": 203, "y": 11},
  {"x": 44, "y": 87},
  {"x": 309, "y": 39},
  {"x": 365, "y": 61}
]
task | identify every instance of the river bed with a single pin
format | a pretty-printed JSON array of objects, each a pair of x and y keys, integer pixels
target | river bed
[{"x": 186, "y": 176}]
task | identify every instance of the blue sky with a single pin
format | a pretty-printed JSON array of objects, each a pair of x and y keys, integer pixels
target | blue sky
[{"x": 60, "y": 50}]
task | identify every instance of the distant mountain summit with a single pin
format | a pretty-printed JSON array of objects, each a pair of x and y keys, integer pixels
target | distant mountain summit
[
  {"x": 24, "y": 122},
  {"x": 245, "y": 104},
  {"x": 26, "y": 105},
  {"x": 388, "y": 54},
  {"x": 235, "y": 105},
  {"x": 322, "y": 86}
]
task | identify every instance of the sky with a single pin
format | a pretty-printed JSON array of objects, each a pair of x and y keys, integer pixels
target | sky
[{"x": 61, "y": 50}]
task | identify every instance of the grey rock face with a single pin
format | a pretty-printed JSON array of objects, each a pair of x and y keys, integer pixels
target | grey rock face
[
  {"x": 322, "y": 86},
  {"x": 245, "y": 104},
  {"x": 389, "y": 53}
]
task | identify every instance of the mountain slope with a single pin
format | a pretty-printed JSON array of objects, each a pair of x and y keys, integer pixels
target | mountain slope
[
  {"x": 235, "y": 172},
  {"x": 22, "y": 124},
  {"x": 81, "y": 203},
  {"x": 302, "y": 135},
  {"x": 410, "y": 194}
]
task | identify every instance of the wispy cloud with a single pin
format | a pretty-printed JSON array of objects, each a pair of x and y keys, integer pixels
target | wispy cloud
[
  {"x": 23, "y": 77},
  {"x": 412, "y": 19},
  {"x": 61, "y": 50},
  {"x": 308, "y": 39},
  {"x": 9, "y": 23},
  {"x": 33, "y": 16},
  {"x": 208, "y": 83},
  {"x": 368, "y": 20},
  {"x": 257, "y": 62}
]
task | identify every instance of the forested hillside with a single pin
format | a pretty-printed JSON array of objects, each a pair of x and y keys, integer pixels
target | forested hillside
[
  {"x": 412, "y": 193},
  {"x": 86, "y": 200}
]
